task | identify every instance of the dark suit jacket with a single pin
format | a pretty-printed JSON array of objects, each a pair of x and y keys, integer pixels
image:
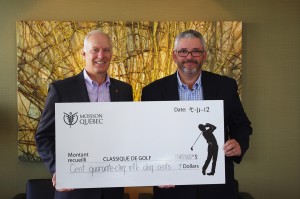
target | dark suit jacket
[
  {"x": 73, "y": 89},
  {"x": 237, "y": 126}
]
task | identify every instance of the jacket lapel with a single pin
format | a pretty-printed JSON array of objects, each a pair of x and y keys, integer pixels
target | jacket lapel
[
  {"x": 171, "y": 90},
  {"x": 113, "y": 91},
  {"x": 209, "y": 91},
  {"x": 79, "y": 85}
]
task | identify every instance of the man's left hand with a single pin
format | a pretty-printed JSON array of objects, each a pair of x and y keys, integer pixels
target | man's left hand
[{"x": 232, "y": 148}]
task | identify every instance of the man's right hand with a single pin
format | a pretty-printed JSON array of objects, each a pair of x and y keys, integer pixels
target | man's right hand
[{"x": 54, "y": 184}]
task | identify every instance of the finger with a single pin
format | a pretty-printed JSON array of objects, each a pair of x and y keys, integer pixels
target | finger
[
  {"x": 166, "y": 186},
  {"x": 64, "y": 190},
  {"x": 238, "y": 150},
  {"x": 233, "y": 150},
  {"x": 54, "y": 180},
  {"x": 230, "y": 144},
  {"x": 229, "y": 148}
]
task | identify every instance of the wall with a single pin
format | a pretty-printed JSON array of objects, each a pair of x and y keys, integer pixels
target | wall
[{"x": 271, "y": 84}]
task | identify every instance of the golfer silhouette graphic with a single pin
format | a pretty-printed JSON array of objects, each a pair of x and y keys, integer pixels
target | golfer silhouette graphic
[{"x": 212, "y": 149}]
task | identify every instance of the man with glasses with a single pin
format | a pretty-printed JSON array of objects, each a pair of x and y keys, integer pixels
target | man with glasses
[{"x": 190, "y": 82}]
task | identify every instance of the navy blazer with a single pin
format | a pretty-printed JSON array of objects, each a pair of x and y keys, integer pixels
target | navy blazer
[
  {"x": 71, "y": 89},
  {"x": 215, "y": 87}
]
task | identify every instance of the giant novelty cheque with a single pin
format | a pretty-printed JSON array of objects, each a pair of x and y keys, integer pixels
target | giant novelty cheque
[{"x": 122, "y": 144}]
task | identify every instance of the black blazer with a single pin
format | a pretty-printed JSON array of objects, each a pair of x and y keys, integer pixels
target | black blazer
[
  {"x": 72, "y": 89},
  {"x": 215, "y": 87}
]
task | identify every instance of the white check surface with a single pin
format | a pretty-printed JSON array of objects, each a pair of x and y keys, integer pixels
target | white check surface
[{"x": 122, "y": 144}]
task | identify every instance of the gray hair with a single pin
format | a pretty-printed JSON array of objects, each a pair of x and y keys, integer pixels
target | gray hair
[
  {"x": 93, "y": 32},
  {"x": 188, "y": 35}
]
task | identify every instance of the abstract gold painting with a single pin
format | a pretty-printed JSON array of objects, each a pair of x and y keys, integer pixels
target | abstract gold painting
[{"x": 142, "y": 52}]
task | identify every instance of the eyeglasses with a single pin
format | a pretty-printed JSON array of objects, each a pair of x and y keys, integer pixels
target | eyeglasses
[{"x": 185, "y": 53}]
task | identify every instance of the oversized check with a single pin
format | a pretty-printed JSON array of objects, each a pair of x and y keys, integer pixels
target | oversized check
[{"x": 121, "y": 144}]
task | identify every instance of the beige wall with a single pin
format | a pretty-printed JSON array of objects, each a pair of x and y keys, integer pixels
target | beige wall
[{"x": 271, "y": 86}]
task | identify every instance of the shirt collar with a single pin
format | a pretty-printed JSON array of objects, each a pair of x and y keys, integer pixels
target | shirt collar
[
  {"x": 184, "y": 87},
  {"x": 90, "y": 83}
]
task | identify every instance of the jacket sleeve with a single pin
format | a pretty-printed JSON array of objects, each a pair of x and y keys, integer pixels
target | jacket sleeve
[
  {"x": 45, "y": 135},
  {"x": 239, "y": 126}
]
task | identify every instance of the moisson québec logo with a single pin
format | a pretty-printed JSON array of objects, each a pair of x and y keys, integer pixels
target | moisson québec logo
[
  {"x": 71, "y": 118},
  {"x": 84, "y": 119}
]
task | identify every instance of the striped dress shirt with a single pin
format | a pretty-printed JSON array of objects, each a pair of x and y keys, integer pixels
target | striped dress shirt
[
  {"x": 97, "y": 93},
  {"x": 186, "y": 94}
]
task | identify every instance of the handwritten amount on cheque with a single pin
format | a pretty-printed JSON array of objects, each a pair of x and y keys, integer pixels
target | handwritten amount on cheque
[{"x": 136, "y": 164}]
